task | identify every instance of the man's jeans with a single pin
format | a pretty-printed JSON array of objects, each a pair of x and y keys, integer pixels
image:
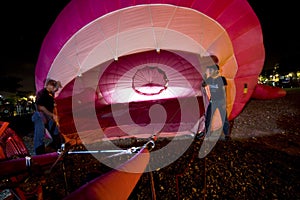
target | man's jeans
[
  {"x": 39, "y": 129},
  {"x": 212, "y": 107}
]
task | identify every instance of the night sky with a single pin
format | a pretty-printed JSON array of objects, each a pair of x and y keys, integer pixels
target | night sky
[{"x": 25, "y": 23}]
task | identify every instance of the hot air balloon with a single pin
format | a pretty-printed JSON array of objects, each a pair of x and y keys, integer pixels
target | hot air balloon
[
  {"x": 134, "y": 68},
  {"x": 99, "y": 53}
]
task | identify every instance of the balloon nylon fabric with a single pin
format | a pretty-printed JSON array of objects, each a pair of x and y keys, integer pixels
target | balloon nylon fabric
[{"x": 100, "y": 33}]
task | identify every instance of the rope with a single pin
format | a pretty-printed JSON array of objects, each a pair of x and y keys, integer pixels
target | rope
[
  {"x": 205, "y": 185},
  {"x": 181, "y": 174},
  {"x": 150, "y": 145},
  {"x": 152, "y": 186},
  {"x": 65, "y": 178}
]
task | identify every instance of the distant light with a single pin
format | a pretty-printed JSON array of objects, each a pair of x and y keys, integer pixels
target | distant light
[{"x": 32, "y": 98}]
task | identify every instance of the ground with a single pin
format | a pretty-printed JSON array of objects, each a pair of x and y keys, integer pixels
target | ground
[{"x": 260, "y": 162}]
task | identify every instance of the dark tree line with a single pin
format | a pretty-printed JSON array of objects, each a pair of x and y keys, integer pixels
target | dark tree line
[{"x": 10, "y": 83}]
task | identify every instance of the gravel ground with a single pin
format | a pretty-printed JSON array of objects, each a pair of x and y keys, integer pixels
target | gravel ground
[{"x": 260, "y": 162}]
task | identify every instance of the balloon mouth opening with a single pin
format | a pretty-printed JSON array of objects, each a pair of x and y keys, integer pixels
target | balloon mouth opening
[
  {"x": 149, "y": 90},
  {"x": 149, "y": 81}
]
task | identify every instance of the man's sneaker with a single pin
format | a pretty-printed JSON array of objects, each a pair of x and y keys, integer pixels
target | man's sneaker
[{"x": 227, "y": 138}]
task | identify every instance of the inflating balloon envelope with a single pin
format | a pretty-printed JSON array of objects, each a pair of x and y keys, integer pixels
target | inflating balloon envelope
[{"x": 134, "y": 68}]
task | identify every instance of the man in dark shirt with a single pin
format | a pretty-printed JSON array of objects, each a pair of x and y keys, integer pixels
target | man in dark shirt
[
  {"x": 44, "y": 117},
  {"x": 216, "y": 87}
]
